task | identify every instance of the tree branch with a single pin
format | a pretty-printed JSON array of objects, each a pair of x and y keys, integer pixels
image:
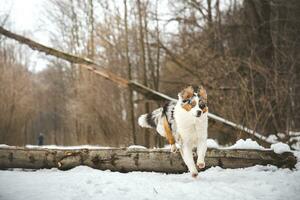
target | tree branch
[{"x": 98, "y": 70}]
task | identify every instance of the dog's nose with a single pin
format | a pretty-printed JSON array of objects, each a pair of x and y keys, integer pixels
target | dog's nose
[{"x": 199, "y": 113}]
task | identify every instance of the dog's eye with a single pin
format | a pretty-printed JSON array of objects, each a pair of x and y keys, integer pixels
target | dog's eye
[
  {"x": 187, "y": 101},
  {"x": 202, "y": 106}
]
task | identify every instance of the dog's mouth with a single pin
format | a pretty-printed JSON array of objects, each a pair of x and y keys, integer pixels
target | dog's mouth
[{"x": 200, "y": 112}]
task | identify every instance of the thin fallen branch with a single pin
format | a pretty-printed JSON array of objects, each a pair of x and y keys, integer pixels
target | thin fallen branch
[
  {"x": 99, "y": 70},
  {"x": 127, "y": 160}
]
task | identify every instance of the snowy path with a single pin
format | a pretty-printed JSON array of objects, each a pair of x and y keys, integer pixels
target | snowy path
[{"x": 215, "y": 183}]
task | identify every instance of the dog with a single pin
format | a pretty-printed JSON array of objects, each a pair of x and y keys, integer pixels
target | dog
[{"x": 184, "y": 122}]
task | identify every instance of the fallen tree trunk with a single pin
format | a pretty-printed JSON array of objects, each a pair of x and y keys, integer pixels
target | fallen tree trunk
[{"x": 127, "y": 160}]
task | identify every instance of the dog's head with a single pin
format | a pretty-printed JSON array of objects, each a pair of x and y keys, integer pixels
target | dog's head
[{"x": 194, "y": 100}]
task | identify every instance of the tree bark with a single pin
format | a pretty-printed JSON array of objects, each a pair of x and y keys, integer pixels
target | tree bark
[{"x": 127, "y": 160}]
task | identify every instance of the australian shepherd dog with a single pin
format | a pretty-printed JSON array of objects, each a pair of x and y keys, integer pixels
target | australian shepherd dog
[{"x": 183, "y": 122}]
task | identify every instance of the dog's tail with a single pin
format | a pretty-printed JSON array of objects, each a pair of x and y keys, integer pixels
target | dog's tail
[{"x": 150, "y": 120}]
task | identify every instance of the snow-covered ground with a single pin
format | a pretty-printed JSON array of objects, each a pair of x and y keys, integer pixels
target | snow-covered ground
[{"x": 83, "y": 183}]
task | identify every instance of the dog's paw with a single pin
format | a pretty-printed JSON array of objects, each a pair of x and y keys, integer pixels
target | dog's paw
[
  {"x": 201, "y": 165},
  {"x": 173, "y": 148},
  {"x": 194, "y": 174}
]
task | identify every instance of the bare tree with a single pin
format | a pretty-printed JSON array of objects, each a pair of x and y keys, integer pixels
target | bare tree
[{"x": 129, "y": 75}]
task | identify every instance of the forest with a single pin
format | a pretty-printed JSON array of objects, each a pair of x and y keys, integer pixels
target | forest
[{"x": 245, "y": 53}]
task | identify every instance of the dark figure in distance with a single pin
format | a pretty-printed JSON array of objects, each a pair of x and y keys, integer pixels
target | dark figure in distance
[{"x": 41, "y": 139}]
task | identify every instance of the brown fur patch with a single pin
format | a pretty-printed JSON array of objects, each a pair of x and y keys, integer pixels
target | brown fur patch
[
  {"x": 193, "y": 104},
  {"x": 187, "y": 93},
  {"x": 168, "y": 131},
  {"x": 202, "y": 93},
  {"x": 187, "y": 107},
  {"x": 205, "y": 110}
]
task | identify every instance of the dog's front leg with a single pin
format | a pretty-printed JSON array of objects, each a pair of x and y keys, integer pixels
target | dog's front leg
[
  {"x": 201, "y": 151},
  {"x": 187, "y": 155}
]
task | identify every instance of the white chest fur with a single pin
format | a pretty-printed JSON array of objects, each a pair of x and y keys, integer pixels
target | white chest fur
[{"x": 191, "y": 129}]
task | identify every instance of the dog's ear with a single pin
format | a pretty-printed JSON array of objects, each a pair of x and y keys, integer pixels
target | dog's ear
[
  {"x": 202, "y": 93},
  {"x": 187, "y": 92}
]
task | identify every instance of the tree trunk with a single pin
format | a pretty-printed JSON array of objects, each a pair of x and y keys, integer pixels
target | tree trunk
[
  {"x": 127, "y": 160},
  {"x": 91, "y": 45},
  {"x": 143, "y": 61},
  {"x": 129, "y": 76}
]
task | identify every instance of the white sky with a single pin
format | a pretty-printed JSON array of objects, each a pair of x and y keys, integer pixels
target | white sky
[{"x": 24, "y": 18}]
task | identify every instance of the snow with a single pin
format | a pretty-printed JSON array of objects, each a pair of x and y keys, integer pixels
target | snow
[
  {"x": 281, "y": 135},
  {"x": 272, "y": 139},
  {"x": 136, "y": 147},
  {"x": 67, "y": 147},
  {"x": 4, "y": 146},
  {"x": 280, "y": 147},
  {"x": 246, "y": 144},
  {"x": 80, "y": 183},
  {"x": 168, "y": 146},
  {"x": 295, "y": 140},
  {"x": 211, "y": 143},
  {"x": 292, "y": 133},
  {"x": 297, "y": 154}
]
